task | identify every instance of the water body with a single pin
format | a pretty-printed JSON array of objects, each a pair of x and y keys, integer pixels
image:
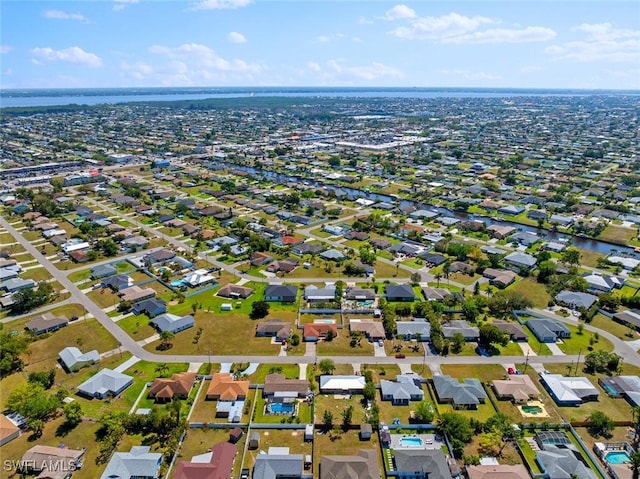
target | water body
[{"x": 58, "y": 97}]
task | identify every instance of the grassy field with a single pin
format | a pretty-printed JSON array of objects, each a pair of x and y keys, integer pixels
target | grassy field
[
  {"x": 533, "y": 290},
  {"x": 36, "y": 274},
  {"x": 137, "y": 326},
  {"x": 619, "y": 330},
  {"x": 290, "y": 371},
  {"x": 385, "y": 371},
  {"x": 580, "y": 342},
  {"x": 617, "y": 234},
  {"x": 589, "y": 258},
  {"x": 340, "y": 346}
]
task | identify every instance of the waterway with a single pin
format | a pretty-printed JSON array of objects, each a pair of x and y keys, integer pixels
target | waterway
[{"x": 588, "y": 244}]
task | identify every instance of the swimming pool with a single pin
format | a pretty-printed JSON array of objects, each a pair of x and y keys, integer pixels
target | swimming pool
[
  {"x": 178, "y": 282},
  {"x": 532, "y": 409},
  {"x": 618, "y": 457},
  {"x": 411, "y": 442},
  {"x": 610, "y": 390},
  {"x": 324, "y": 321},
  {"x": 281, "y": 408}
]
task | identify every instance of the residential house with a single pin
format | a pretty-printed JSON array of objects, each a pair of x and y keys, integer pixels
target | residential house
[
  {"x": 49, "y": 461},
  {"x": 563, "y": 462},
  {"x": 627, "y": 387},
  {"x": 364, "y": 465},
  {"x": 354, "y": 293},
  {"x": 518, "y": 388},
  {"x": 235, "y": 291},
  {"x": 117, "y": 283},
  {"x": 432, "y": 259},
  {"x": 465, "y": 395},
  {"x": 308, "y": 248},
  {"x": 313, "y": 332},
  {"x": 286, "y": 293},
  {"x": 103, "y": 271},
  {"x": 173, "y": 323},
  {"x": 514, "y": 330},
  {"x": 569, "y": 391},
  {"x": 72, "y": 359},
  {"x": 599, "y": 283},
  {"x": 138, "y": 463},
  {"x": 500, "y": 232},
  {"x": 332, "y": 255},
  {"x": 548, "y": 330},
  {"x": 274, "y": 328},
  {"x": 160, "y": 256},
  {"x": 498, "y": 471},
  {"x": 499, "y": 277},
  {"x": 46, "y": 323},
  {"x": 517, "y": 261},
  {"x": 373, "y": 330},
  {"x": 136, "y": 293},
  {"x": 179, "y": 386},
  {"x": 260, "y": 259},
  {"x": 105, "y": 383},
  {"x": 450, "y": 328},
  {"x": 16, "y": 284},
  {"x": 278, "y": 464},
  {"x": 341, "y": 384},
  {"x": 435, "y": 294},
  {"x": 405, "y": 388},
  {"x": 461, "y": 267},
  {"x": 276, "y": 385},
  {"x": 215, "y": 464},
  {"x": 285, "y": 266},
  {"x": 8, "y": 430},
  {"x": 630, "y": 318},
  {"x": 224, "y": 388},
  {"x": 524, "y": 238},
  {"x": 420, "y": 330},
  {"x": 421, "y": 464},
  {"x": 399, "y": 293},
  {"x": 152, "y": 307},
  {"x": 561, "y": 220},
  {"x": 313, "y": 294},
  {"x": 575, "y": 299}
]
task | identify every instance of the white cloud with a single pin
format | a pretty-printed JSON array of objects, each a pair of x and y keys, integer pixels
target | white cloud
[
  {"x": 220, "y": 4},
  {"x": 190, "y": 64},
  {"x": 603, "y": 42},
  {"x": 364, "y": 21},
  {"x": 440, "y": 28},
  {"x": 356, "y": 40},
  {"x": 60, "y": 15},
  {"x": 74, "y": 55},
  {"x": 338, "y": 71},
  {"x": 5, "y": 49},
  {"x": 469, "y": 75},
  {"x": 122, "y": 4},
  {"x": 400, "y": 12},
  {"x": 329, "y": 38},
  {"x": 235, "y": 37},
  {"x": 504, "y": 35}
]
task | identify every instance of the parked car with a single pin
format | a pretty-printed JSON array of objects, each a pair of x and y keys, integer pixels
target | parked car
[
  {"x": 511, "y": 371},
  {"x": 244, "y": 474},
  {"x": 400, "y": 355}
]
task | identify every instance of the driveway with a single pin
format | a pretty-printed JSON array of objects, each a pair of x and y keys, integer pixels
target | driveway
[{"x": 555, "y": 349}]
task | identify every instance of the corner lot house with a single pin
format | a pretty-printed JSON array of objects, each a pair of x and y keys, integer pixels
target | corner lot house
[
  {"x": 465, "y": 395},
  {"x": 105, "y": 383},
  {"x": 548, "y": 330},
  {"x": 173, "y": 323},
  {"x": 73, "y": 359},
  {"x": 569, "y": 391},
  {"x": 575, "y": 299},
  {"x": 138, "y": 463}
]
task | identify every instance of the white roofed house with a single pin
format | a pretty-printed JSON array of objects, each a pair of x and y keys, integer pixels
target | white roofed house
[
  {"x": 172, "y": 322},
  {"x": 73, "y": 359},
  {"x": 106, "y": 382},
  {"x": 342, "y": 384},
  {"x": 406, "y": 388},
  {"x": 517, "y": 261},
  {"x": 569, "y": 391},
  {"x": 599, "y": 283},
  {"x": 138, "y": 463}
]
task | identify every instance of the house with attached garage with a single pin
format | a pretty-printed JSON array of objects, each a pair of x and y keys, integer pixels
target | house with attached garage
[
  {"x": 599, "y": 283},
  {"x": 405, "y": 388},
  {"x": 72, "y": 359},
  {"x": 46, "y": 323},
  {"x": 341, "y": 384},
  {"x": 466, "y": 395},
  {"x": 285, "y": 293},
  {"x": 517, "y": 261},
  {"x": 105, "y": 383},
  {"x": 418, "y": 329},
  {"x": 373, "y": 330},
  {"x": 575, "y": 299},
  {"x": 274, "y": 328},
  {"x": 172, "y": 322},
  {"x": 364, "y": 465},
  {"x": 399, "y": 293},
  {"x": 138, "y": 463},
  {"x": 547, "y": 330}
]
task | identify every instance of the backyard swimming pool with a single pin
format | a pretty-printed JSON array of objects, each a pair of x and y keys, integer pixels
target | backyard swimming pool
[
  {"x": 178, "y": 282},
  {"x": 618, "y": 457},
  {"x": 411, "y": 442},
  {"x": 280, "y": 408},
  {"x": 532, "y": 409}
]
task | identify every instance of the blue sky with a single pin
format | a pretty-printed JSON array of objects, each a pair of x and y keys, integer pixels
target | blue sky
[{"x": 472, "y": 43}]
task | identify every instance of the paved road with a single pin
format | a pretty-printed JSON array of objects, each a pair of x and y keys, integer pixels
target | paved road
[{"x": 128, "y": 344}]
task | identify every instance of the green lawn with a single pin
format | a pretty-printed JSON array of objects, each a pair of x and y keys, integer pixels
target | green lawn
[
  {"x": 580, "y": 342},
  {"x": 36, "y": 274},
  {"x": 533, "y": 290},
  {"x": 340, "y": 346},
  {"x": 290, "y": 371},
  {"x": 137, "y": 326},
  {"x": 619, "y": 330},
  {"x": 81, "y": 275},
  {"x": 617, "y": 234}
]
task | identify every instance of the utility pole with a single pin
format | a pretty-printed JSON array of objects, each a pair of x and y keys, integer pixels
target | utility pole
[
  {"x": 526, "y": 363},
  {"x": 578, "y": 362}
]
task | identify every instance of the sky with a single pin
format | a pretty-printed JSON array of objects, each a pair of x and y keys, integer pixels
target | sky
[{"x": 428, "y": 43}]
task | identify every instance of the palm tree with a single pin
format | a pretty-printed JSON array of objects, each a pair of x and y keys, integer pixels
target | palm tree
[
  {"x": 166, "y": 339},
  {"x": 438, "y": 277},
  {"x": 635, "y": 465}
]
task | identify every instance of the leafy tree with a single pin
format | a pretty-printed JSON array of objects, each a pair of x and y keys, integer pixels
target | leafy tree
[
  {"x": 11, "y": 348},
  {"x": 457, "y": 343},
  {"x": 72, "y": 413},
  {"x": 635, "y": 465},
  {"x": 600, "y": 424},
  {"x": 490, "y": 335},
  {"x": 415, "y": 277},
  {"x": 600, "y": 361},
  {"x": 166, "y": 339},
  {"x": 546, "y": 270},
  {"x": 347, "y": 417},
  {"x": 326, "y": 366},
  {"x": 490, "y": 443},
  {"x": 424, "y": 412},
  {"x": 294, "y": 339},
  {"x": 33, "y": 402},
  {"x": 609, "y": 302},
  {"x": 28, "y": 299},
  {"x": 259, "y": 309},
  {"x": 374, "y": 414},
  {"x": 36, "y": 426},
  {"x": 327, "y": 419},
  {"x": 503, "y": 302},
  {"x": 570, "y": 256},
  {"x": 456, "y": 426},
  {"x": 44, "y": 378},
  {"x": 330, "y": 335},
  {"x": 369, "y": 391}
]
